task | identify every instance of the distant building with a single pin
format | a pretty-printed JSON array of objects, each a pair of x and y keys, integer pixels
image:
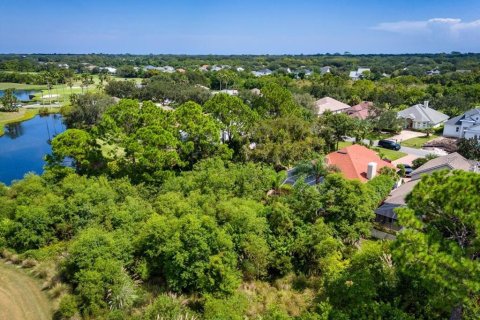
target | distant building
[
  {"x": 63, "y": 65},
  {"x": 263, "y": 72},
  {"x": 433, "y": 72},
  {"x": 331, "y": 104},
  {"x": 421, "y": 116},
  {"x": 240, "y": 69},
  {"x": 325, "y": 70},
  {"x": 356, "y": 75},
  {"x": 360, "y": 111},
  {"x": 465, "y": 126},
  {"x": 111, "y": 70}
]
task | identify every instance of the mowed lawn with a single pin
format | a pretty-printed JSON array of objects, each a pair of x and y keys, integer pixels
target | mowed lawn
[
  {"x": 418, "y": 142},
  {"x": 391, "y": 155},
  {"x": 21, "y": 86}
]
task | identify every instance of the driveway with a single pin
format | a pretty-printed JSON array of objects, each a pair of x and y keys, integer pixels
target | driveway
[
  {"x": 408, "y": 159},
  {"x": 405, "y": 135}
]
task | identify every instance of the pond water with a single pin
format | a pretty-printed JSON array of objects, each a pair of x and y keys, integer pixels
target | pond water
[
  {"x": 24, "y": 145},
  {"x": 22, "y": 95}
]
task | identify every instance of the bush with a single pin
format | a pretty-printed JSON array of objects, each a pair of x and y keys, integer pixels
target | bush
[
  {"x": 166, "y": 307},
  {"x": 68, "y": 307}
]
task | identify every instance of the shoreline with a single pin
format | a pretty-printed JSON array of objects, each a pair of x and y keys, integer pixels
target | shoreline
[{"x": 28, "y": 114}]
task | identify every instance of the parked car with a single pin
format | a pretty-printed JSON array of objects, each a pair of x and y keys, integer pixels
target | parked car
[
  {"x": 408, "y": 169},
  {"x": 389, "y": 144}
]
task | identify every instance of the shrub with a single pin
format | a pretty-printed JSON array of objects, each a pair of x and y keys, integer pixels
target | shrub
[{"x": 68, "y": 307}]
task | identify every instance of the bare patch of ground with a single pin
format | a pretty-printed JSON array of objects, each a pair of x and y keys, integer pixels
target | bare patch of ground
[{"x": 21, "y": 297}]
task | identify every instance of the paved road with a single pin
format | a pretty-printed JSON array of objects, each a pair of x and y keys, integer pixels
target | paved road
[
  {"x": 415, "y": 152},
  {"x": 407, "y": 150}
]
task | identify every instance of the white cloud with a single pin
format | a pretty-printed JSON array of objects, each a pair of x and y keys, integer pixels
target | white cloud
[{"x": 436, "y": 26}]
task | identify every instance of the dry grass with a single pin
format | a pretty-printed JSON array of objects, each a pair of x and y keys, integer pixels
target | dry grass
[{"x": 263, "y": 295}]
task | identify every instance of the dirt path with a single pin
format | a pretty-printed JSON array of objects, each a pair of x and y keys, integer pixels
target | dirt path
[{"x": 21, "y": 297}]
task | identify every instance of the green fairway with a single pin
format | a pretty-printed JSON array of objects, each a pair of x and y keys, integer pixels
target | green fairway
[
  {"x": 21, "y": 86},
  {"x": 418, "y": 142}
]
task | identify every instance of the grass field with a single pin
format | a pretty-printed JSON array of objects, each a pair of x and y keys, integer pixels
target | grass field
[
  {"x": 391, "y": 155},
  {"x": 418, "y": 142},
  {"x": 21, "y": 296},
  {"x": 21, "y": 86}
]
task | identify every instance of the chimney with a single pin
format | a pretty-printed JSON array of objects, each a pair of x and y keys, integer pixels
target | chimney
[
  {"x": 371, "y": 170},
  {"x": 425, "y": 104}
]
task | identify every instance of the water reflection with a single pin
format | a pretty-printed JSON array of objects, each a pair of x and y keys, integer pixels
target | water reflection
[
  {"x": 13, "y": 130},
  {"x": 24, "y": 146}
]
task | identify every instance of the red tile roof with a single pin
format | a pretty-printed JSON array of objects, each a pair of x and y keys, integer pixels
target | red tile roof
[
  {"x": 353, "y": 161},
  {"x": 360, "y": 110}
]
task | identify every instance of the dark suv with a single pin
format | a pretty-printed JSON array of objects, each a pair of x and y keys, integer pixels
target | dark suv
[{"x": 389, "y": 144}]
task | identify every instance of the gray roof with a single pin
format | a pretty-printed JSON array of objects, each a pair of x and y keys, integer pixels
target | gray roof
[
  {"x": 396, "y": 199},
  {"x": 453, "y": 161},
  {"x": 466, "y": 116},
  {"x": 421, "y": 113}
]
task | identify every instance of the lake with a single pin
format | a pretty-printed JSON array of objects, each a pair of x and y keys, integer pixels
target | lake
[
  {"x": 22, "y": 95},
  {"x": 25, "y": 144}
]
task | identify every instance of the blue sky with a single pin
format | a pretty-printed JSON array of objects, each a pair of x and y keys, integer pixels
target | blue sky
[{"x": 239, "y": 27}]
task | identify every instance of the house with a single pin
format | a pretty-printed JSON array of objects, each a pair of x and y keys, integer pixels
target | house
[
  {"x": 433, "y": 72},
  {"x": 325, "y": 70},
  {"x": 240, "y": 69},
  {"x": 360, "y": 111},
  {"x": 466, "y": 125},
  {"x": 167, "y": 69},
  {"x": 421, "y": 116},
  {"x": 356, "y": 75},
  {"x": 331, "y": 104},
  {"x": 216, "y": 68},
  {"x": 263, "y": 72},
  {"x": 204, "y": 68},
  {"x": 230, "y": 92},
  {"x": 357, "y": 162},
  {"x": 111, "y": 70},
  {"x": 386, "y": 215}
]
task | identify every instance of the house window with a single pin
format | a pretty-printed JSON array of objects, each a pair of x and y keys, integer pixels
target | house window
[{"x": 458, "y": 129}]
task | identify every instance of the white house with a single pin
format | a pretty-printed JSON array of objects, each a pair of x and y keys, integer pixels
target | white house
[
  {"x": 421, "y": 116},
  {"x": 356, "y": 75},
  {"x": 263, "y": 72},
  {"x": 466, "y": 125}
]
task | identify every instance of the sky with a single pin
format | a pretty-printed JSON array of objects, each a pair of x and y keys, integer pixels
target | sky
[{"x": 239, "y": 27}]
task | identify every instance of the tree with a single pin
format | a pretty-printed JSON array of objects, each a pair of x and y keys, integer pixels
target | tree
[
  {"x": 191, "y": 252},
  {"x": 347, "y": 206},
  {"x": 317, "y": 168},
  {"x": 86, "y": 110},
  {"x": 236, "y": 117},
  {"x": 333, "y": 128},
  {"x": 8, "y": 100},
  {"x": 421, "y": 161},
  {"x": 282, "y": 142},
  {"x": 199, "y": 133},
  {"x": 469, "y": 148},
  {"x": 79, "y": 146},
  {"x": 439, "y": 248},
  {"x": 277, "y": 101}
]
